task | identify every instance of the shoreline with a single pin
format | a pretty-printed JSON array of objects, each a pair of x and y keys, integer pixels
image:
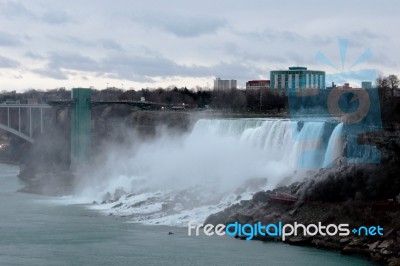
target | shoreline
[
  {"x": 290, "y": 204},
  {"x": 347, "y": 246}
]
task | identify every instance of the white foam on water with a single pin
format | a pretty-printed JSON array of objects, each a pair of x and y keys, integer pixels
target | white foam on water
[{"x": 176, "y": 179}]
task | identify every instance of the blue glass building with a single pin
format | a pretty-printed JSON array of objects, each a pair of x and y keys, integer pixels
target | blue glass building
[{"x": 296, "y": 79}]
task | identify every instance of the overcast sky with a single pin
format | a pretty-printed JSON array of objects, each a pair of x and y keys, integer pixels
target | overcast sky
[{"x": 46, "y": 44}]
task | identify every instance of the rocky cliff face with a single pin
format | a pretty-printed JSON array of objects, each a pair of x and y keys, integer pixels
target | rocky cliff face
[
  {"x": 350, "y": 193},
  {"x": 109, "y": 121},
  {"x": 265, "y": 208}
]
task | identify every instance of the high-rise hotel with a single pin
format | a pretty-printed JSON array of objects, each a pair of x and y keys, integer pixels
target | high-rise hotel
[
  {"x": 222, "y": 85},
  {"x": 296, "y": 79}
]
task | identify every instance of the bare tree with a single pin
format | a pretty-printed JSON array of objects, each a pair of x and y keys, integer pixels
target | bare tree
[
  {"x": 383, "y": 85},
  {"x": 393, "y": 83},
  {"x": 382, "y": 82}
]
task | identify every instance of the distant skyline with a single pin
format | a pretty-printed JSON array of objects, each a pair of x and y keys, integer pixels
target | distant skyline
[{"x": 47, "y": 44}]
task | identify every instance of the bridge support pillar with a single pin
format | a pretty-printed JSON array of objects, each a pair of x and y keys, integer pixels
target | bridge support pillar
[{"x": 80, "y": 126}]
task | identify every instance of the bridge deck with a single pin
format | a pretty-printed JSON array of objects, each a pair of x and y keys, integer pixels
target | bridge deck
[{"x": 22, "y": 105}]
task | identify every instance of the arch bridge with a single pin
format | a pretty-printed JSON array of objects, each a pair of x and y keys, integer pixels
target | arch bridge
[{"x": 23, "y": 120}]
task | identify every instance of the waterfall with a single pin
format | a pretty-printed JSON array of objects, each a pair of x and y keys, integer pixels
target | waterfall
[
  {"x": 298, "y": 143},
  {"x": 335, "y": 146},
  {"x": 174, "y": 179}
]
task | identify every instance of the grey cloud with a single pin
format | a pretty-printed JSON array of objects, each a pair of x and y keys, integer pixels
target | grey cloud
[
  {"x": 364, "y": 38},
  {"x": 265, "y": 56},
  {"x": 111, "y": 45},
  {"x": 51, "y": 73},
  {"x": 319, "y": 40},
  {"x": 290, "y": 36},
  {"x": 299, "y": 58},
  {"x": 8, "y": 39},
  {"x": 72, "y": 61},
  {"x": 134, "y": 67},
  {"x": 153, "y": 66},
  {"x": 145, "y": 68},
  {"x": 107, "y": 44},
  {"x": 138, "y": 68},
  {"x": 33, "y": 55},
  {"x": 366, "y": 34},
  {"x": 56, "y": 17},
  {"x": 293, "y": 48},
  {"x": 286, "y": 38},
  {"x": 271, "y": 35},
  {"x": 72, "y": 40},
  {"x": 58, "y": 62},
  {"x": 382, "y": 59},
  {"x": 356, "y": 76},
  {"x": 14, "y": 10},
  {"x": 233, "y": 70},
  {"x": 182, "y": 26},
  {"x": 8, "y": 63},
  {"x": 280, "y": 46},
  {"x": 256, "y": 56}
]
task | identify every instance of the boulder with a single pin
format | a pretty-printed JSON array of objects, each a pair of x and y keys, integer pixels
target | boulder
[
  {"x": 373, "y": 246},
  {"x": 394, "y": 262},
  {"x": 385, "y": 244}
]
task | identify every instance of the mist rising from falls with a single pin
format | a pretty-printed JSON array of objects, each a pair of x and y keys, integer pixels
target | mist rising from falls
[{"x": 174, "y": 179}]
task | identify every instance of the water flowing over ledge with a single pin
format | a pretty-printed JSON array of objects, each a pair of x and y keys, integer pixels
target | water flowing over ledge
[{"x": 173, "y": 180}]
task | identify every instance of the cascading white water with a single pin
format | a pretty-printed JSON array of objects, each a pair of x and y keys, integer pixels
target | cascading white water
[
  {"x": 335, "y": 146},
  {"x": 172, "y": 180}
]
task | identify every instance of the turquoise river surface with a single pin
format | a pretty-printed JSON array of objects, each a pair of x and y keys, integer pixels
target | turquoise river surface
[{"x": 38, "y": 230}]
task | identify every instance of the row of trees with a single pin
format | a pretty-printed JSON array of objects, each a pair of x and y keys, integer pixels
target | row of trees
[
  {"x": 254, "y": 100},
  {"x": 234, "y": 99},
  {"x": 388, "y": 84}
]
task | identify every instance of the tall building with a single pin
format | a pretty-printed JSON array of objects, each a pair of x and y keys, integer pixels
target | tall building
[
  {"x": 296, "y": 79},
  {"x": 220, "y": 84},
  {"x": 258, "y": 84},
  {"x": 366, "y": 85}
]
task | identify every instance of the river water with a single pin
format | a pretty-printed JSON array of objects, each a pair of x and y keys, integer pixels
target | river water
[{"x": 38, "y": 230}]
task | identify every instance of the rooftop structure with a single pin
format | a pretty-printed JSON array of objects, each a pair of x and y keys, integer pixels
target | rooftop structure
[{"x": 258, "y": 84}]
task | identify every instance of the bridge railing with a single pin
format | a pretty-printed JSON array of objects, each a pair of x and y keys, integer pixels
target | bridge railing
[{"x": 10, "y": 109}]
